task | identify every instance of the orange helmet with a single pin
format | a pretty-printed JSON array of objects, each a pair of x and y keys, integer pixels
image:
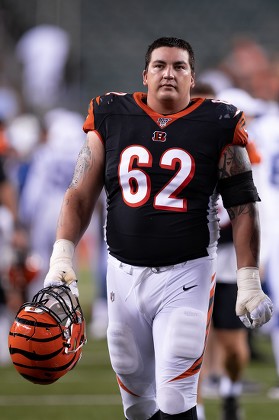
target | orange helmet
[{"x": 47, "y": 335}]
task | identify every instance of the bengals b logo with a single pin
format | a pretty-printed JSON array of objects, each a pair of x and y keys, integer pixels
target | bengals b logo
[{"x": 159, "y": 136}]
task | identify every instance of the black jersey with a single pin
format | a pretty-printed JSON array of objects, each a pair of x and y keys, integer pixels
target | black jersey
[{"x": 160, "y": 174}]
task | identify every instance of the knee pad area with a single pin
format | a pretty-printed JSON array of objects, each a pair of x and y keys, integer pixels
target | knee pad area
[
  {"x": 186, "y": 333},
  {"x": 170, "y": 400},
  {"x": 187, "y": 415},
  {"x": 124, "y": 355},
  {"x": 142, "y": 410}
]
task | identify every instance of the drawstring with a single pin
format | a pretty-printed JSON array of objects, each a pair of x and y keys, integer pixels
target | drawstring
[{"x": 137, "y": 281}]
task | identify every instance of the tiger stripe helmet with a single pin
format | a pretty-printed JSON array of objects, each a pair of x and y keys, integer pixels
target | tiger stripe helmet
[{"x": 47, "y": 335}]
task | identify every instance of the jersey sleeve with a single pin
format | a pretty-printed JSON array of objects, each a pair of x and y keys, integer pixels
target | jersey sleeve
[
  {"x": 253, "y": 153},
  {"x": 99, "y": 108},
  {"x": 240, "y": 137},
  {"x": 232, "y": 121},
  {"x": 89, "y": 123}
]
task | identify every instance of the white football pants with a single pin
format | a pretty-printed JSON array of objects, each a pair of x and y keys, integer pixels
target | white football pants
[{"x": 158, "y": 323}]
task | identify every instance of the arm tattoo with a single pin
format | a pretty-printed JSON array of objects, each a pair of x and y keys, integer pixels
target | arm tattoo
[
  {"x": 83, "y": 163},
  {"x": 235, "y": 160},
  {"x": 248, "y": 208}
]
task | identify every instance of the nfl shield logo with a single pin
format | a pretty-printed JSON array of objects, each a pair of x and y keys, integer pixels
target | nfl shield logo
[{"x": 163, "y": 121}]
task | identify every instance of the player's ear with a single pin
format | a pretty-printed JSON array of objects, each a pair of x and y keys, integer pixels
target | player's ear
[
  {"x": 192, "y": 80},
  {"x": 144, "y": 77}
]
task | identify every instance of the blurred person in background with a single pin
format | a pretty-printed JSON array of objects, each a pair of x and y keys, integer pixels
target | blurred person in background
[
  {"x": 43, "y": 52},
  {"x": 98, "y": 265},
  {"x": 10, "y": 294},
  {"x": 266, "y": 134},
  {"x": 227, "y": 353},
  {"x": 43, "y": 84},
  {"x": 50, "y": 173},
  {"x": 24, "y": 136},
  {"x": 24, "y": 133},
  {"x": 247, "y": 66}
]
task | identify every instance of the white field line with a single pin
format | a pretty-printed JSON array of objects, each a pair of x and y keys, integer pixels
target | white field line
[
  {"x": 87, "y": 400},
  {"x": 57, "y": 400}
]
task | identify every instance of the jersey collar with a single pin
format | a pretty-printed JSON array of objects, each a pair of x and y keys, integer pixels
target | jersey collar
[{"x": 164, "y": 120}]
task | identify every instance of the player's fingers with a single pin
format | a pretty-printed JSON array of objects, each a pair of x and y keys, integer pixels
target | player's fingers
[
  {"x": 262, "y": 313},
  {"x": 74, "y": 288},
  {"x": 49, "y": 282},
  {"x": 246, "y": 321}
]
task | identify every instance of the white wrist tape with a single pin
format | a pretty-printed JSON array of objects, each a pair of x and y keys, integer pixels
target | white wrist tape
[
  {"x": 250, "y": 292},
  {"x": 63, "y": 251},
  {"x": 61, "y": 262},
  {"x": 248, "y": 278}
]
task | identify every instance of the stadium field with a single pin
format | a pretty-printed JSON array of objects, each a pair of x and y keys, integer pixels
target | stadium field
[{"x": 90, "y": 391}]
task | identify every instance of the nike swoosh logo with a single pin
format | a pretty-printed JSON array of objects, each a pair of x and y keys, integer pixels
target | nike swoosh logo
[{"x": 188, "y": 288}]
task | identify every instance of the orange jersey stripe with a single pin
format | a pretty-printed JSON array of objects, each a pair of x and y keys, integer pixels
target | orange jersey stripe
[
  {"x": 240, "y": 134},
  {"x": 196, "y": 366},
  {"x": 173, "y": 117},
  {"x": 89, "y": 124},
  {"x": 120, "y": 383},
  {"x": 254, "y": 155}
]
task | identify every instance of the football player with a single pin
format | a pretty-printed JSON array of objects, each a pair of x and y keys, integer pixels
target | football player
[{"x": 163, "y": 159}]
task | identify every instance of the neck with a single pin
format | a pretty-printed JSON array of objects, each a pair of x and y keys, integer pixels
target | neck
[{"x": 167, "y": 107}]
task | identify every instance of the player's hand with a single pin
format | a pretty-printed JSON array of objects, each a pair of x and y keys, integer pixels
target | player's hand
[
  {"x": 61, "y": 268},
  {"x": 253, "y": 306},
  {"x": 62, "y": 275}
]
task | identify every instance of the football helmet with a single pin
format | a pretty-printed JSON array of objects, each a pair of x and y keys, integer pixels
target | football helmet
[{"x": 47, "y": 335}]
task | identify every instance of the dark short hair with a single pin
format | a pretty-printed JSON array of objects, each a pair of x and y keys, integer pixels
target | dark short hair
[{"x": 171, "y": 42}]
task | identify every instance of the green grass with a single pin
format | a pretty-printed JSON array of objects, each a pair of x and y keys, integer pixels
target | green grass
[
  {"x": 90, "y": 391},
  {"x": 256, "y": 406}
]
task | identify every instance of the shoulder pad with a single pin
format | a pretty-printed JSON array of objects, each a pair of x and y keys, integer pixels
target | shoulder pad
[
  {"x": 108, "y": 98},
  {"x": 99, "y": 107},
  {"x": 229, "y": 117},
  {"x": 226, "y": 113}
]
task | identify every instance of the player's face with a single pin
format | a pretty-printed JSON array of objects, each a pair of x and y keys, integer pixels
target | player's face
[{"x": 168, "y": 79}]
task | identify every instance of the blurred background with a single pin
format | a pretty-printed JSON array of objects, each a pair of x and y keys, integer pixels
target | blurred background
[
  {"x": 55, "y": 56},
  {"x": 106, "y": 40}
]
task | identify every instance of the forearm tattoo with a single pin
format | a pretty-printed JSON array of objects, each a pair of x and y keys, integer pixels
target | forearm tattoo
[
  {"x": 82, "y": 166},
  {"x": 234, "y": 161}
]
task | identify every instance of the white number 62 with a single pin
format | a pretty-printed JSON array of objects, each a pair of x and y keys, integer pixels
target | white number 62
[{"x": 136, "y": 184}]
